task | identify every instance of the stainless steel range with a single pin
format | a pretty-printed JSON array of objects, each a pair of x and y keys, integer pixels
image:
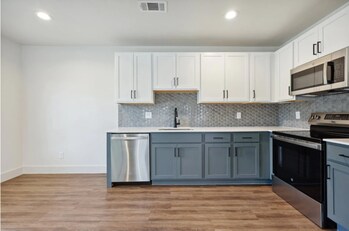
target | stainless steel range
[{"x": 299, "y": 164}]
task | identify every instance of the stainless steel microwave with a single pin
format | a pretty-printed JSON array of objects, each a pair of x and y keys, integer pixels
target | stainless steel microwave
[{"x": 323, "y": 75}]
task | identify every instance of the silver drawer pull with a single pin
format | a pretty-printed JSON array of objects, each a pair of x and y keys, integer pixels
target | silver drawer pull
[
  {"x": 342, "y": 155},
  {"x": 247, "y": 138},
  {"x": 218, "y": 138}
]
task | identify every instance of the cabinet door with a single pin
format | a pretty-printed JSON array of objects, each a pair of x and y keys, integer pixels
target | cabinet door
[
  {"x": 143, "y": 78},
  {"x": 260, "y": 74},
  {"x": 246, "y": 160},
  {"x": 337, "y": 193},
  {"x": 334, "y": 32},
  {"x": 163, "y": 161},
  {"x": 124, "y": 72},
  {"x": 189, "y": 161},
  {"x": 164, "y": 71},
  {"x": 212, "y": 77},
  {"x": 217, "y": 161},
  {"x": 305, "y": 47},
  {"x": 237, "y": 80},
  {"x": 284, "y": 72},
  {"x": 188, "y": 68}
]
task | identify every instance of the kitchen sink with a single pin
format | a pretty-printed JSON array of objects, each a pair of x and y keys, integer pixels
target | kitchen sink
[{"x": 175, "y": 129}]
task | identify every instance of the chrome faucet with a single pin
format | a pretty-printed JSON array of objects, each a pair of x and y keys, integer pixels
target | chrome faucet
[{"x": 176, "y": 120}]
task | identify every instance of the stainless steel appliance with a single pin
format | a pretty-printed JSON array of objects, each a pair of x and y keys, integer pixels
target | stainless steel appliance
[
  {"x": 129, "y": 158},
  {"x": 299, "y": 164},
  {"x": 328, "y": 74}
]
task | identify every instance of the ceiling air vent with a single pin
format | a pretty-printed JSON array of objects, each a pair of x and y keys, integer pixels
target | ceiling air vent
[{"x": 153, "y": 6}]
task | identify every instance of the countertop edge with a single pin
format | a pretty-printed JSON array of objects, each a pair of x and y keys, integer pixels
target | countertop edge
[
  {"x": 203, "y": 130},
  {"x": 338, "y": 141}
]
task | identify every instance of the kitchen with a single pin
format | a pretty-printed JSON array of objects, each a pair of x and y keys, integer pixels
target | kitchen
[{"x": 235, "y": 121}]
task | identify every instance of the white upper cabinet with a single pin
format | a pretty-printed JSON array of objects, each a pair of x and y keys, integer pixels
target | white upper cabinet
[
  {"x": 224, "y": 78},
  {"x": 124, "y": 73},
  {"x": 188, "y": 71},
  {"x": 164, "y": 70},
  {"x": 176, "y": 71},
  {"x": 212, "y": 85},
  {"x": 260, "y": 77},
  {"x": 143, "y": 87},
  {"x": 282, "y": 79},
  {"x": 334, "y": 32},
  {"x": 306, "y": 47},
  {"x": 134, "y": 77},
  {"x": 329, "y": 36},
  {"x": 237, "y": 80}
]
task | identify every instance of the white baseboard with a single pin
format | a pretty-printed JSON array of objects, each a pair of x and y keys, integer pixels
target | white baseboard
[
  {"x": 83, "y": 169},
  {"x": 11, "y": 174}
]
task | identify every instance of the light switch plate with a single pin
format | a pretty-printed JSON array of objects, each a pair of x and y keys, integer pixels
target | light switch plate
[
  {"x": 148, "y": 115},
  {"x": 238, "y": 115},
  {"x": 298, "y": 115}
]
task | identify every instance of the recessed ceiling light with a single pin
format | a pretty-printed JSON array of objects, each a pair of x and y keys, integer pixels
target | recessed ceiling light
[
  {"x": 43, "y": 15},
  {"x": 230, "y": 15}
]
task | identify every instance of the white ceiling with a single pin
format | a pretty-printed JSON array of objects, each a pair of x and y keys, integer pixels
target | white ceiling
[{"x": 187, "y": 22}]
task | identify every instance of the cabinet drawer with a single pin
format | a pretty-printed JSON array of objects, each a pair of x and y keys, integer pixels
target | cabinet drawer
[
  {"x": 246, "y": 137},
  {"x": 176, "y": 138},
  {"x": 217, "y": 137},
  {"x": 337, "y": 152}
]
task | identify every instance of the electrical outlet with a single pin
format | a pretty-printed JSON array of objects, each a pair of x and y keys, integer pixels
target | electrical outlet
[
  {"x": 148, "y": 115},
  {"x": 238, "y": 115},
  {"x": 298, "y": 115},
  {"x": 61, "y": 155}
]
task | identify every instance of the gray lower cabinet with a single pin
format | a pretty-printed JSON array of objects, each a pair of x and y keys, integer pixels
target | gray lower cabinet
[
  {"x": 246, "y": 161},
  {"x": 217, "y": 161},
  {"x": 189, "y": 161},
  {"x": 338, "y": 184},
  {"x": 209, "y": 158},
  {"x": 176, "y": 161},
  {"x": 163, "y": 161}
]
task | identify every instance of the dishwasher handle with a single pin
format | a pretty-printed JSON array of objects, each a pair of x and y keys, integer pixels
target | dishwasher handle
[{"x": 130, "y": 138}]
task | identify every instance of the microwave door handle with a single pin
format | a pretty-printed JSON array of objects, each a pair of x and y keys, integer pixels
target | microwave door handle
[{"x": 330, "y": 72}]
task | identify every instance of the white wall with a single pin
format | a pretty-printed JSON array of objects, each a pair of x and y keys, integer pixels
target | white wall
[
  {"x": 69, "y": 103},
  {"x": 11, "y": 109}
]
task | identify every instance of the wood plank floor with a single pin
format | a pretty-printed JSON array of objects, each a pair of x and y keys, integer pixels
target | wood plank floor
[{"x": 82, "y": 202}]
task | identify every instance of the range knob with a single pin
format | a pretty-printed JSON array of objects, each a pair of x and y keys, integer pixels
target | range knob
[
  {"x": 317, "y": 117},
  {"x": 312, "y": 117}
]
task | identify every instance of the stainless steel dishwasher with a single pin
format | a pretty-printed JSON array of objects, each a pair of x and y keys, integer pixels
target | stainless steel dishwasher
[{"x": 129, "y": 157}]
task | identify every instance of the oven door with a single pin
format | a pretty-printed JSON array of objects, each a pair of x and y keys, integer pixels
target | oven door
[{"x": 300, "y": 164}]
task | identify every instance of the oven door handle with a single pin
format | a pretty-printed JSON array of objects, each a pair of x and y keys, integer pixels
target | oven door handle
[{"x": 303, "y": 143}]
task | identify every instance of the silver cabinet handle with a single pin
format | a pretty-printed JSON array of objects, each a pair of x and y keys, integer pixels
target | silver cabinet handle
[
  {"x": 131, "y": 94},
  {"x": 227, "y": 94},
  {"x": 318, "y": 47},
  {"x": 314, "y": 49},
  {"x": 328, "y": 175},
  {"x": 223, "y": 94},
  {"x": 134, "y": 94},
  {"x": 177, "y": 81},
  {"x": 174, "y": 81},
  {"x": 289, "y": 90},
  {"x": 254, "y": 94}
]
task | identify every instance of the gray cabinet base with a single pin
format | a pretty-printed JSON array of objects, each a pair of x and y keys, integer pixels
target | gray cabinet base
[{"x": 212, "y": 182}]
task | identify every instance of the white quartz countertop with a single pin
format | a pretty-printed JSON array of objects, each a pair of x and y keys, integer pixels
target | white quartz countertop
[
  {"x": 203, "y": 129},
  {"x": 343, "y": 141}
]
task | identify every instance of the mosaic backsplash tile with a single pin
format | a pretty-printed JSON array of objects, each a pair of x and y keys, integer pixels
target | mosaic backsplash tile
[
  {"x": 329, "y": 103},
  {"x": 192, "y": 114},
  {"x": 196, "y": 115}
]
